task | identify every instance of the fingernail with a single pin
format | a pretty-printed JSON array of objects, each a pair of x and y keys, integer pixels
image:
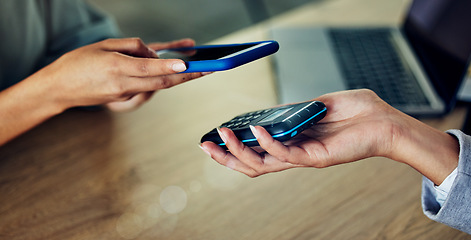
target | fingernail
[
  {"x": 204, "y": 149},
  {"x": 254, "y": 131},
  {"x": 221, "y": 135},
  {"x": 179, "y": 67}
]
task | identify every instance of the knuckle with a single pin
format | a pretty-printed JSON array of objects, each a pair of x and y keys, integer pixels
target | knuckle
[
  {"x": 142, "y": 68},
  {"x": 163, "y": 83},
  {"x": 136, "y": 42},
  {"x": 106, "y": 41},
  {"x": 369, "y": 93},
  {"x": 110, "y": 40},
  {"x": 284, "y": 158},
  {"x": 108, "y": 62},
  {"x": 225, "y": 158},
  {"x": 191, "y": 76},
  {"x": 238, "y": 147},
  {"x": 319, "y": 164},
  {"x": 267, "y": 144},
  {"x": 258, "y": 166},
  {"x": 315, "y": 157},
  {"x": 113, "y": 66},
  {"x": 117, "y": 89}
]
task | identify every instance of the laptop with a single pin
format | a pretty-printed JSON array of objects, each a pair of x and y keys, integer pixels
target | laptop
[{"x": 417, "y": 67}]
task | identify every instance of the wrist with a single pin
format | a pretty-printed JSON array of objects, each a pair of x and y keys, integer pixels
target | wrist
[
  {"x": 431, "y": 152},
  {"x": 51, "y": 89},
  {"x": 41, "y": 87}
]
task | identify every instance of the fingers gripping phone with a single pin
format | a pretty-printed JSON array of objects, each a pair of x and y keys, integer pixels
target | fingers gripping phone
[
  {"x": 282, "y": 123},
  {"x": 210, "y": 58}
]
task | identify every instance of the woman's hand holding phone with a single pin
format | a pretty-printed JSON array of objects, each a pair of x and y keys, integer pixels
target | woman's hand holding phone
[{"x": 118, "y": 73}]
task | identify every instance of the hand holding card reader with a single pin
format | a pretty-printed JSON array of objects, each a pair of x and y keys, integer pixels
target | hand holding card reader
[{"x": 283, "y": 123}]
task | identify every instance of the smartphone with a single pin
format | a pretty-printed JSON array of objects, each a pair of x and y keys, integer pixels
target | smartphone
[
  {"x": 283, "y": 123},
  {"x": 210, "y": 58}
]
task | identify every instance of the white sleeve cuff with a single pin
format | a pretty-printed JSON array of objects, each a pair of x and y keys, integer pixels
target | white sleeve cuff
[{"x": 443, "y": 189}]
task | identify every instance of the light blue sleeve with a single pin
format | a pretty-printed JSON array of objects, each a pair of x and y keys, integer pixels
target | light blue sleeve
[
  {"x": 456, "y": 210},
  {"x": 444, "y": 188}
]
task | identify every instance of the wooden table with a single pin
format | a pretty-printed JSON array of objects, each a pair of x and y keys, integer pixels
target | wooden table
[{"x": 141, "y": 175}]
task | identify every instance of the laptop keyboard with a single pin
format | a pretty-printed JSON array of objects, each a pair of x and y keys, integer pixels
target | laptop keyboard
[{"x": 369, "y": 60}]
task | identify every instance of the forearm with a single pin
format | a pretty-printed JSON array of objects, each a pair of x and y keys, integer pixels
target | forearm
[
  {"x": 431, "y": 152},
  {"x": 114, "y": 70},
  {"x": 24, "y": 106}
]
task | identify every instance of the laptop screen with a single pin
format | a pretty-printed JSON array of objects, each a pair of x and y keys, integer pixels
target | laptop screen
[{"x": 440, "y": 34}]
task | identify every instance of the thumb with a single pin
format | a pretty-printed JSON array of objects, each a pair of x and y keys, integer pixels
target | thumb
[{"x": 130, "y": 46}]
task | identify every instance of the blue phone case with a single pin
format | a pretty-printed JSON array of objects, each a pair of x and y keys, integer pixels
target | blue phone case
[{"x": 229, "y": 62}]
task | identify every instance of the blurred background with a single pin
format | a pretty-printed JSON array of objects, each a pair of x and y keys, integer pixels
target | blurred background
[{"x": 202, "y": 20}]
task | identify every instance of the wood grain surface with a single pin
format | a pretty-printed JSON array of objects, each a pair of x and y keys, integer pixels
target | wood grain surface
[{"x": 141, "y": 175}]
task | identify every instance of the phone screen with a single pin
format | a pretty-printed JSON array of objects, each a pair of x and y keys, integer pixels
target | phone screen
[
  {"x": 274, "y": 115},
  {"x": 202, "y": 53}
]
